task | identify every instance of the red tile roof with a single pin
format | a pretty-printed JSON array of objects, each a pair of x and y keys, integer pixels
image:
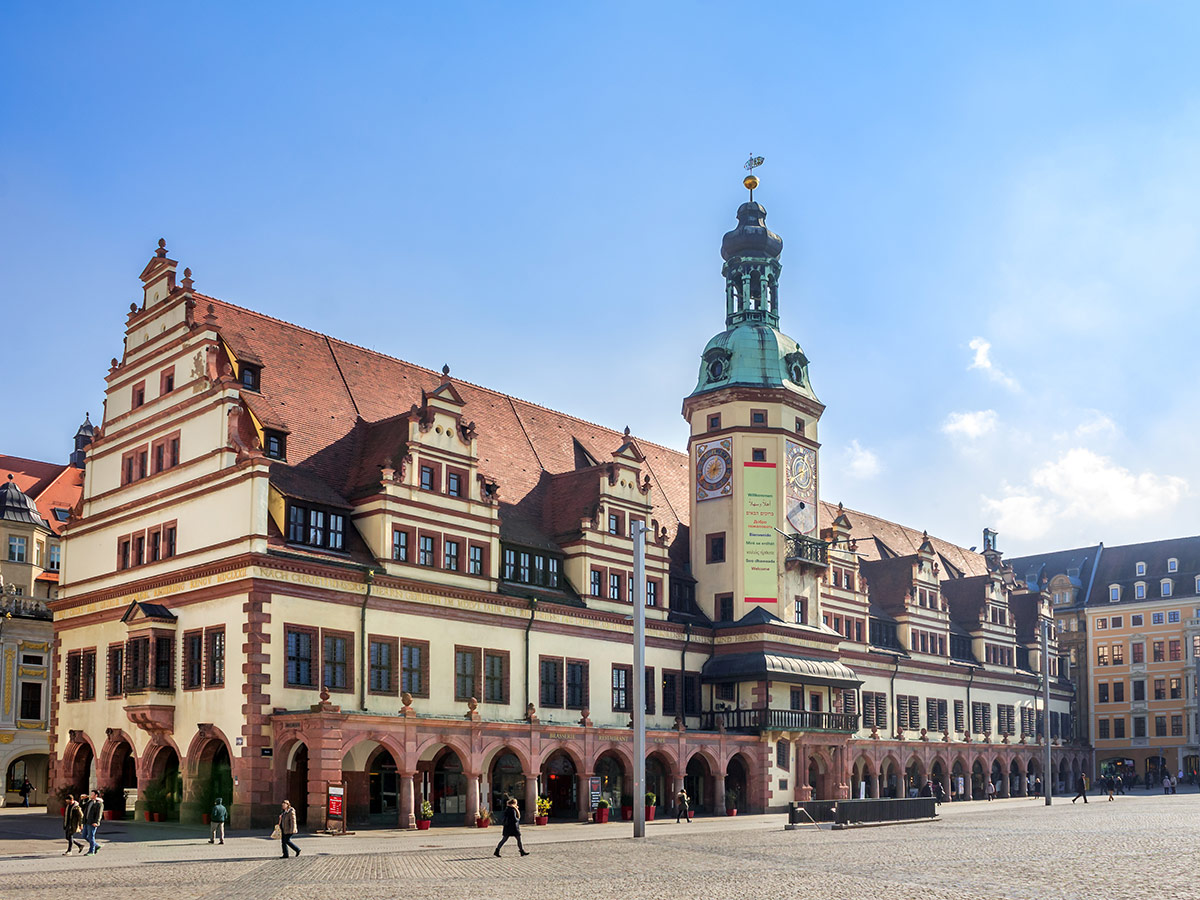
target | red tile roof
[{"x": 49, "y": 485}]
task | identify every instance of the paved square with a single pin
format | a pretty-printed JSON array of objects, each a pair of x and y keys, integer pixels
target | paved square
[{"x": 1135, "y": 847}]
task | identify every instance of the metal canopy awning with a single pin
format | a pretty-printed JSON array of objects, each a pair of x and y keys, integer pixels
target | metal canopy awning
[{"x": 775, "y": 667}]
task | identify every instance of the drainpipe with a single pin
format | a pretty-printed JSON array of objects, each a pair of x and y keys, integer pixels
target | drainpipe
[
  {"x": 528, "y": 626},
  {"x": 369, "y": 578},
  {"x": 687, "y": 639}
]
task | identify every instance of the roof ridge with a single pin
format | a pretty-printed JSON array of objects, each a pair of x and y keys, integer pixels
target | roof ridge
[{"x": 511, "y": 397}]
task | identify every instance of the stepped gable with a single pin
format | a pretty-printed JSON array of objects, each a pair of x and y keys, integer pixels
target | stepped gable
[
  {"x": 342, "y": 404},
  {"x": 880, "y": 539}
]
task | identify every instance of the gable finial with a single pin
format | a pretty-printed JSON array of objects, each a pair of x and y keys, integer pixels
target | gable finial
[
  {"x": 751, "y": 181},
  {"x": 162, "y": 248}
]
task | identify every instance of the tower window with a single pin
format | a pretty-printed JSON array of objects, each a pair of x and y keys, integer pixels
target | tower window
[
  {"x": 758, "y": 417},
  {"x": 715, "y": 546},
  {"x": 799, "y": 425},
  {"x": 758, "y": 454},
  {"x": 725, "y": 608},
  {"x": 714, "y": 422}
]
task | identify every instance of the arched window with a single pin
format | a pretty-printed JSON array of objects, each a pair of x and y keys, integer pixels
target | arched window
[{"x": 16, "y": 776}]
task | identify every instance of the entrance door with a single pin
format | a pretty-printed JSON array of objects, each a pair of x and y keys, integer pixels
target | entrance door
[
  {"x": 449, "y": 795},
  {"x": 559, "y": 784},
  {"x": 384, "y": 790}
]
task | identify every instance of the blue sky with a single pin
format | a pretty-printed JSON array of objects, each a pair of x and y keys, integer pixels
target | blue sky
[{"x": 989, "y": 217}]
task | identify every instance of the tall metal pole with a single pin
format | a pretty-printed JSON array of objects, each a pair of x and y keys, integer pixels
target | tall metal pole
[
  {"x": 1046, "y": 704},
  {"x": 639, "y": 679}
]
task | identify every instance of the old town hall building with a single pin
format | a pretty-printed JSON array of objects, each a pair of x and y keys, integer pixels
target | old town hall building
[{"x": 299, "y": 563}]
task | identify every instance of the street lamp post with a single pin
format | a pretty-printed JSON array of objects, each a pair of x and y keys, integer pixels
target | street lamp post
[
  {"x": 1046, "y": 704},
  {"x": 639, "y": 679}
]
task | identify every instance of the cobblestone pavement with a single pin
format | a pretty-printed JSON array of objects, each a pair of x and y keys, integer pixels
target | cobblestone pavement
[{"x": 1135, "y": 847}]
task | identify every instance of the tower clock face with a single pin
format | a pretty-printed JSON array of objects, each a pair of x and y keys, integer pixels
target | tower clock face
[
  {"x": 714, "y": 469},
  {"x": 801, "y": 488}
]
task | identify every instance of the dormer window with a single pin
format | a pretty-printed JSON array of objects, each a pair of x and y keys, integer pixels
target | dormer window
[
  {"x": 1139, "y": 591},
  {"x": 1140, "y": 569},
  {"x": 250, "y": 376},
  {"x": 275, "y": 444},
  {"x": 1167, "y": 586},
  {"x": 316, "y": 527},
  {"x": 1114, "y": 593},
  {"x": 531, "y": 567},
  {"x": 1172, "y": 565}
]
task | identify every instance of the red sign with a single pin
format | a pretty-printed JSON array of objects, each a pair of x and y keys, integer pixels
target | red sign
[{"x": 334, "y": 802}]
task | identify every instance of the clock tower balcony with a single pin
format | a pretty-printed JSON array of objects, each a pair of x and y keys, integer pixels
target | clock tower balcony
[{"x": 807, "y": 550}]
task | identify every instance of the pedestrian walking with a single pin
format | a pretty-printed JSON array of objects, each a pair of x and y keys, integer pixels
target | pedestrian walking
[
  {"x": 681, "y": 806},
  {"x": 26, "y": 790},
  {"x": 72, "y": 824},
  {"x": 1120, "y": 784},
  {"x": 1166, "y": 784},
  {"x": 1108, "y": 785},
  {"x": 216, "y": 822},
  {"x": 287, "y": 827},
  {"x": 1080, "y": 789},
  {"x": 939, "y": 792},
  {"x": 1174, "y": 784},
  {"x": 1037, "y": 786},
  {"x": 990, "y": 790},
  {"x": 92, "y": 813},
  {"x": 512, "y": 827}
]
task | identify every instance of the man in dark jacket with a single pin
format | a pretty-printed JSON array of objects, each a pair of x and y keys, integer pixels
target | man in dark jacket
[
  {"x": 1080, "y": 789},
  {"x": 26, "y": 790},
  {"x": 512, "y": 827},
  {"x": 72, "y": 825},
  {"x": 216, "y": 820},
  {"x": 92, "y": 813}
]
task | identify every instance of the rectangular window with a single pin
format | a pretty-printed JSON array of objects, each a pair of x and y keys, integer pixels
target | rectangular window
[
  {"x": 164, "y": 663},
  {"x": 451, "y": 556},
  {"x": 1175, "y": 686},
  {"x": 1118, "y": 690},
  {"x": 425, "y": 551},
  {"x": 758, "y": 417},
  {"x": 1118, "y": 654},
  {"x": 475, "y": 560},
  {"x": 316, "y": 527},
  {"x": 381, "y": 662},
  {"x": 300, "y": 669},
  {"x": 215, "y": 659},
  {"x": 336, "y": 538},
  {"x": 466, "y": 673},
  {"x": 716, "y": 548},
  {"x": 552, "y": 572},
  {"x": 116, "y": 670},
  {"x": 651, "y": 592},
  {"x": 670, "y": 693},
  {"x": 1160, "y": 726},
  {"x": 193, "y": 659},
  {"x": 1102, "y": 729},
  {"x": 1173, "y": 617},
  {"x": 1139, "y": 726},
  {"x": 1139, "y": 691},
  {"x": 414, "y": 668},
  {"x": 1102, "y": 693},
  {"x": 1138, "y": 652},
  {"x": 1136, "y": 621},
  {"x": 620, "y": 688},
  {"x": 648, "y": 689},
  {"x": 691, "y": 695},
  {"x": 614, "y": 586},
  {"x": 596, "y": 581},
  {"x": 16, "y": 549},
  {"x": 31, "y": 700},
  {"x": 454, "y": 484},
  {"x": 1119, "y": 727},
  {"x": 495, "y": 677},
  {"x": 335, "y": 662},
  {"x": 297, "y": 523},
  {"x": 1102, "y": 656},
  {"x": 523, "y": 568},
  {"x": 614, "y": 523},
  {"x": 166, "y": 381},
  {"x": 400, "y": 545},
  {"x": 1176, "y": 726},
  {"x": 1156, "y": 618},
  {"x": 714, "y": 422},
  {"x": 1160, "y": 689},
  {"x": 276, "y": 445},
  {"x": 577, "y": 685},
  {"x": 725, "y": 608},
  {"x": 1158, "y": 651},
  {"x": 139, "y": 395},
  {"x": 137, "y": 664},
  {"x": 74, "y": 675},
  {"x": 551, "y": 680},
  {"x": 1174, "y": 650},
  {"x": 168, "y": 541},
  {"x": 427, "y": 478}
]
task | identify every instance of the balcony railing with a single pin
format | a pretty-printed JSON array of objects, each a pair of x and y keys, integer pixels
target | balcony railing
[
  {"x": 802, "y": 548},
  {"x": 24, "y": 607},
  {"x": 778, "y": 720}
]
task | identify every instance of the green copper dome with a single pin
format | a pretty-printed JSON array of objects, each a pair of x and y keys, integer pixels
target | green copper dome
[{"x": 752, "y": 350}]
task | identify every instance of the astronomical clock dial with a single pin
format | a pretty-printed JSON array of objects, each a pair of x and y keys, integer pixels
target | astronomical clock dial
[
  {"x": 714, "y": 470},
  {"x": 801, "y": 489}
]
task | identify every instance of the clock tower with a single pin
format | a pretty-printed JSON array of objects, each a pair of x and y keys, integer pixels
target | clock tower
[{"x": 753, "y": 446}]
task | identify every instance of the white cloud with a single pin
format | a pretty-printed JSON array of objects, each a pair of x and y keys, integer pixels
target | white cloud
[
  {"x": 983, "y": 361},
  {"x": 1097, "y": 425},
  {"x": 1082, "y": 485},
  {"x": 970, "y": 425},
  {"x": 861, "y": 463}
]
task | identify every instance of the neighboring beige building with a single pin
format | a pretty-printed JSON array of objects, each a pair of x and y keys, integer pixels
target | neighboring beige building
[
  {"x": 299, "y": 563},
  {"x": 35, "y": 501}
]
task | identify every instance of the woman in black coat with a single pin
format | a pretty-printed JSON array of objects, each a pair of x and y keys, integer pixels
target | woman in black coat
[{"x": 512, "y": 827}]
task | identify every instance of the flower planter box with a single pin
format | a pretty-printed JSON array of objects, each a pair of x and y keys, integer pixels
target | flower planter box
[
  {"x": 627, "y": 813},
  {"x": 731, "y": 812},
  {"x": 650, "y": 813},
  {"x": 423, "y": 824},
  {"x": 541, "y": 820},
  {"x": 601, "y": 816},
  {"x": 482, "y": 823}
]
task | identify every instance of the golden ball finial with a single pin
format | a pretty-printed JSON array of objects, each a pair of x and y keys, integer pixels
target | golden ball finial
[{"x": 750, "y": 182}]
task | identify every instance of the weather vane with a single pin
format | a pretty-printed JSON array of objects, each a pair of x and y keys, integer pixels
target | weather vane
[{"x": 751, "y": 180}]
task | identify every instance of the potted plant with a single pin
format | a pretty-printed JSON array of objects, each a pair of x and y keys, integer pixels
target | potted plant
[
  {"x": 731, "y": 802},
  {"x": 157, "y": 801},
  {"x": 601, "y": 814},
  {"x": 627, "y": 807},
  {"x": 651, "y": 801},
  {"x": 543, "y": 810},
  {"x": 483, "y": 818},
  {"x": 424, "y": 816}
]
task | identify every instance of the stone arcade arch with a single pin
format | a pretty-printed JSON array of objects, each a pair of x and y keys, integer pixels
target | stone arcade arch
[
  {"x": 866, "y": 783},
  {"x": 699, "y": 783},
  {"x": 914, "y": 776},
  {"x": 162, "y": 777},
  {"x": 737, "y": 783}
]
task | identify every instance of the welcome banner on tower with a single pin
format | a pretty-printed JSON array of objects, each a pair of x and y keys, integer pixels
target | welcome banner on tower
[{"x": 759, "y": 546}]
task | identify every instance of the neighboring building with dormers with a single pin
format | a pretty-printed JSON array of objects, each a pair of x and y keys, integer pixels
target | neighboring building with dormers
[{"x": 302, "y": 562}]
